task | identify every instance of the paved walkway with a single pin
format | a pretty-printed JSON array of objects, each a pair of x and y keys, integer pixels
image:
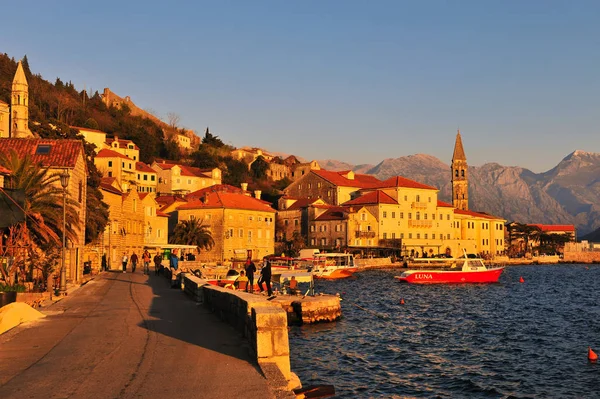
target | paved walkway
[{"x": 127, "y": 336}]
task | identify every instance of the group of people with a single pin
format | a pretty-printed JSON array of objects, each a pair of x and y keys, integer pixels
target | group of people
[
  {"x": 146, "y": 260},
  {"x": 247, "y": 275}
]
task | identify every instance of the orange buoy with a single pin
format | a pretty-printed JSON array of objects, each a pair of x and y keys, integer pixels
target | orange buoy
[
  {"x": 521, "y": 280},
  {"x": 592, "y": 356},
  {"x": 401, "y": 301}
]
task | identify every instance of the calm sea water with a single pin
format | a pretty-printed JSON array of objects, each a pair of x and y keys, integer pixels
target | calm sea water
[{"x": 506, "y": 340}]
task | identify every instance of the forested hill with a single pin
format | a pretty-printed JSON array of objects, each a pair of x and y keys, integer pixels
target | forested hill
[{"x": 53, "y": 107}]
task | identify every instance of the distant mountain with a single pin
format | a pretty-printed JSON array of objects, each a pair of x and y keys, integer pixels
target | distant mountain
[{"x": 567, "y": 194}]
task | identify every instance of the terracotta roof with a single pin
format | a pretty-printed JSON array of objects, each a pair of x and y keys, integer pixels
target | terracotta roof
[
  {"x": 475, "y": 214},
  {"x": 301, "y": 203},
  {"x": 333, "y": 213},
  {"x": 142, "y": 195},
  {"x": 106, "y": 153},
  {"x": 122, "y": 143},
  {"x": 185, "y": 170},
  {"x": 4, "y": 171},
  {"x": 142, "y": 167},
  {"x": 221, "y": 188},
  {"x": 169, "y": 199},
  {"x": 554, "y": 227},
  {"x": 399, "y": 181},
  {"x": 374, "y": 197},
  {"x": 442, "y": 204},
  {"x": 337, "y": 178},
  {"x": 159, "y": 213},
  {"x": 106, "y": 184},
  {"x": 3, "y": 103},
  {"x": 229, "y": 201},
  {"x": 459, "y": 152},
  {"x": 87, "y": 128},
  {"x": 61, "y": 153}
]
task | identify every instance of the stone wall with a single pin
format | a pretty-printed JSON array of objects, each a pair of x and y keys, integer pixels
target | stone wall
[
  {"x": 582, "y": 257},
  {"x": 262, "y": 323}
]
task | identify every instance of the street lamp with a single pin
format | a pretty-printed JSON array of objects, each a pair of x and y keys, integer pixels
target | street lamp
[{"x": 64, "y": 182}]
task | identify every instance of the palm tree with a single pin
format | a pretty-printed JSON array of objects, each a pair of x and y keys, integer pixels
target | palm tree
[
  {"x": 43, "y": 200},
  {"x": 192, "y": 232}
]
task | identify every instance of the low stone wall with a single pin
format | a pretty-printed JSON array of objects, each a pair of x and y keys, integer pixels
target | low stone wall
[
  {"x": 582, "y": 257},
  {"x": 262, "y": 323},
  {"x": 33, "y": 299},
  {"x": 367, "y": 263}
]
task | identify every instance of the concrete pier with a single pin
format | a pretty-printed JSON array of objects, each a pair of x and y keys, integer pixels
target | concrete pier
[{"x": 310, "y": 309}]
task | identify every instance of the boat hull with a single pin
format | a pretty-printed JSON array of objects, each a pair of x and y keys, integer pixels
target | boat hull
[
  {"x": 450, "y": 277},
  {"x": 333, "y": 274}
]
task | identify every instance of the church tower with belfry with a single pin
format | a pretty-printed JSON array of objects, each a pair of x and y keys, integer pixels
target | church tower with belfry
[
  {"x": 19, "y": 105},
  {"x": 460, "y": 176}
]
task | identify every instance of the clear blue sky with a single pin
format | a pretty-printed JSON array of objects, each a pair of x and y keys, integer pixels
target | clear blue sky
[{"x": 356, "y": 81}]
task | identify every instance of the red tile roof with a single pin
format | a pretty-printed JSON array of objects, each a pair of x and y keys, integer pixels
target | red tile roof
[
  {"x": 442, "y": 204},
  {"x": 229, "y": 201},
  {"x": 62, "y": 154},
  {"x": 185, "y": 170},
  {"x": 333, "y": 213},
  {"x": 142, "y": 195},
  {"x": 142, "y": 167},
  {"x": 106, "y": 184},
  {"x": 4, "y": 171},
  {"x": 302, "y": 203},
  {"x": 554, "y": 227},
  {"x": 87, "y": 128},
  {"x": 221, "y": 188},
  {"x": 106, "y": 153},
  {"x": 168, "y": 199},
  {"x": 121, "y": 143},
  {"x": 475, "y": 214},
  {"x": 399, "y": 181},
  {"x": 374, "y": 197},
  {"x": 337, "y": 178}
]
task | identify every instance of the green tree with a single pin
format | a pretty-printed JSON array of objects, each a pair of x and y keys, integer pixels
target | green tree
[
  {"x": 236, "y": 172},
  {"x": 192, "y": 232},
  {"x": 203, "y": 158},
  {"x": 91, "y": 123},
  {"x": 210, "y": 139},
  {"x": 43, "y": 200},
  {"x": 259, "y": 168}
]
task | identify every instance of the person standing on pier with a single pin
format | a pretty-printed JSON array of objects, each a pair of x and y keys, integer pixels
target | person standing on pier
[
  {"x": 265, "y": 273},
  {"x": 250, "y": 269}
]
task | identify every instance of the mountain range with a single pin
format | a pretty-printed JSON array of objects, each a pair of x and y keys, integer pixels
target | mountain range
[{"x": 569, "y": 193}]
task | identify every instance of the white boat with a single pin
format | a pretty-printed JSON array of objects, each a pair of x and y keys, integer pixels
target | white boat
[{"x": 332, "y": 266}]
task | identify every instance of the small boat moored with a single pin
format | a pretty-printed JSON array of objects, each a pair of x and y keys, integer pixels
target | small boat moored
[{"x": 469, "y": 268}]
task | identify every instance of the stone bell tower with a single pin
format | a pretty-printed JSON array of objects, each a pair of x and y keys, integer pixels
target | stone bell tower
[
  {"x": 460, "y": 176},
  {"x": 19, "y": 105}
]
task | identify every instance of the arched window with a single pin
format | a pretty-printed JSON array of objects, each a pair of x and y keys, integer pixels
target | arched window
[
  {"x": 462, "y": 173},
  {"x": 456, "y": 172}
]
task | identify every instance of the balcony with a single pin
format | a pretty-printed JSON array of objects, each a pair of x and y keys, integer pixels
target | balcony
[
  {"x": 420, "y": 223},
  {"x": 419, "y": 205},
  {"x": 365, "y": 234}
]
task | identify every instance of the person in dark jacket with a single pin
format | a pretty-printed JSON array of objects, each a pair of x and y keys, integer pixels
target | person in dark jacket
[
  {"x": 250, "y": 268},
  {"x": 265, "y": 274}
]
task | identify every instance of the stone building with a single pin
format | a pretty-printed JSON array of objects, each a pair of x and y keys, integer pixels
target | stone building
[
  {"x": 334, "y": 188},
  {"x": 174, "y": 178},
  {"x": 238, "y": 224},
  {"x": 60, "y": 156}
]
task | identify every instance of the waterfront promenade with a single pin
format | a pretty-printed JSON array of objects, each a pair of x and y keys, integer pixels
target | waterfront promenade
[{"x": 124, "y": 336}]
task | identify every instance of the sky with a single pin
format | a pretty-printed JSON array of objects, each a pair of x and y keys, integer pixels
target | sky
[{"x": 354, "y": 81}]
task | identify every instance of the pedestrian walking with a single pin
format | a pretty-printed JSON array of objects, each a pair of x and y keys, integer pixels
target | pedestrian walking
[
  {"x": 146, "y": 259},
  {"x": 174, "y": 264},
  {"x": 134, "y": 261},
  {"x": 125, "y": 260},
  {"x": 250, "y": 269},
  {"x": 157, "y": 263},
  {"x": 104, "y": 263}
]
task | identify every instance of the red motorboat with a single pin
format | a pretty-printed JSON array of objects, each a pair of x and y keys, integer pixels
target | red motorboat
[{"x": 466, "y": 269}]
